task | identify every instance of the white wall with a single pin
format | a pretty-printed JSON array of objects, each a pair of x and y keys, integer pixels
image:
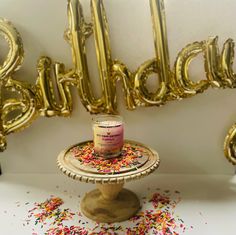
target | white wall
[{"x": 188, "y": 134}]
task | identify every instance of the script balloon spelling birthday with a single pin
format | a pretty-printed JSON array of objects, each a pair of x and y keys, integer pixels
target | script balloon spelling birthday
[{"x": 21, "y": 103}]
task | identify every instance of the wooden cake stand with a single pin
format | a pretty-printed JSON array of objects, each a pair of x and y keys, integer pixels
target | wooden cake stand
[{"x": 110, "y": 202}]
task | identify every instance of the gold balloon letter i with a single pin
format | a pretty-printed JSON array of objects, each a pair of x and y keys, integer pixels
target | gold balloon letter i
[{"x": 21, "y": 102}]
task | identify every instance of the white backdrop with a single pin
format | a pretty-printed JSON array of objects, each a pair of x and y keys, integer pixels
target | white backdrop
[{"x": 188, "y": 134}]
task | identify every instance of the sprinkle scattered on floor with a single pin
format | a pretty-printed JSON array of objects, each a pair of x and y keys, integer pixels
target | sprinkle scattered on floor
[{"x": 157, "y": 217}]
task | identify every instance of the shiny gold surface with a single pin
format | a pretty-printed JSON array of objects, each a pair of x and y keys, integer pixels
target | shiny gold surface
[
  {"x": 230, "y": 145},
  {"x": 51, "y": 95}
]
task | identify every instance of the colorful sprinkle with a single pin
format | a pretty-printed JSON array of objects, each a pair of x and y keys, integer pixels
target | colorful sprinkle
[
  {"x": 50, "y": 210},
  {"x": 67, "y": 230},
  {"x": 158, "y": 219},
  {"x": 130, "y": 156}
]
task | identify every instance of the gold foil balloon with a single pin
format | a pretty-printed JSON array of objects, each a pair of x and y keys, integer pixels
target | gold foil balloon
[
  {"x": 46, "y": 89},
  {"x": 26, "y": 106},
  {"x": 76, "y": 35},
  {"x": 160, "y": 65},
  {"x": 3, "y": 142},
  {"x": 51, "y": 95},
  {"x": 110, "y": 71},
  {"x": 64, "y": 80},
  {"x": 103, "y": 52},
  {"x": 219, "y": 66},
  {"x": 147, "y": 98},
  {"x": 227, "y": 59},
  {"x": 17, "y": 113},
  {"x": 212, "y": 63},
  {"x": 16, "y": 53},
  {"x": 185, "y": 87},
  {"x": 121, "y": 72},
  {"x": 230, "y": 145}
]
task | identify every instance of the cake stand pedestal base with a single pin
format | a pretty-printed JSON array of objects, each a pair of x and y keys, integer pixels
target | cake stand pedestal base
[{"x": 110, "y": 203}]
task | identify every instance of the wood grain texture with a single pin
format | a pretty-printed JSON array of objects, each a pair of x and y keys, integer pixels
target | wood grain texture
[{"x": 99, "y": 209}]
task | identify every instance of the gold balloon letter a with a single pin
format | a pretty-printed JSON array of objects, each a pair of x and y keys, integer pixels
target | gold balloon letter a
[{"x": 21, "y": 103}]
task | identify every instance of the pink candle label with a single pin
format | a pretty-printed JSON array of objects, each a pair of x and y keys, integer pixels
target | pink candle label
[{"x": 108, "y": 137}]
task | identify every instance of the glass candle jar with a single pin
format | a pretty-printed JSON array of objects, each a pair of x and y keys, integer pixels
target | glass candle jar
[{"x": 108, "y": 135}]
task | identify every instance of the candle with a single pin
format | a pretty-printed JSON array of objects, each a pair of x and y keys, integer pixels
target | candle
[{"x": 108, "y": 131}]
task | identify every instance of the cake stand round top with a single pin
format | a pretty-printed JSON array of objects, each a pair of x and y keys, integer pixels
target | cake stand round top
[{"x": 80, "y": 162}]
